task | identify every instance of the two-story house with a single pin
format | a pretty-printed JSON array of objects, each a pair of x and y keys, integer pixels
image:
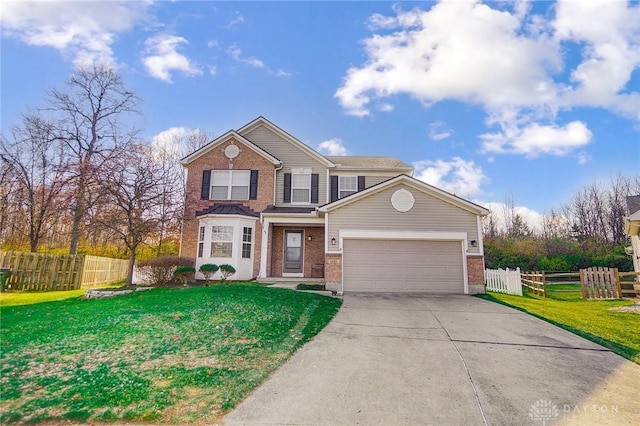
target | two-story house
[{"x": 269, "y": 205}]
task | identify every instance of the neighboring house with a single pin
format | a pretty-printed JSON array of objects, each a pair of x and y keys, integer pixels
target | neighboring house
[
  {"x": 266, "y": 203},
  {"x": 632, "y": 228}
]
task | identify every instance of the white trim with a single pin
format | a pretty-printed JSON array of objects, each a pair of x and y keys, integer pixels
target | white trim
[
  {"x": 230, "y": 216},
  {"x": 399, "y": 235},
  {"x": 407, "y": 235},
  {"x": 301, "y": 171},
  {"x": 480, "y": 239},
  {"x": 264, "y": 244},
  {"x": 413, "y": 183},
  {"x": 296, "y": 220},
  {"x": 326, "y": 233},
  {"x": 465, "y": 275},
  {"x": 292, "y": 275},
  {"x": 232, "y": 134},
  {"x": 328, "y": 193},
  {"x": 287, "y": 137}
]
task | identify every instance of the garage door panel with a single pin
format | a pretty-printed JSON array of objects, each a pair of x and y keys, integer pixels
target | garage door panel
[{"x": 403, "y": 265}]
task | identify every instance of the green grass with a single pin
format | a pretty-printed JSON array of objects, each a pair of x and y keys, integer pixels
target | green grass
[
  {"x": 17, "y": 298},
  {"x": 164, "y": 355},
  {"x": 592, "y": 319}
]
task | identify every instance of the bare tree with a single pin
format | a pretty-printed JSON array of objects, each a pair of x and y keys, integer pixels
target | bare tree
[
  {"x": 92, "y": 118},
  {"x": 133, "y": 190},
  {"x": 37, "y": 159},
  {"x": 168, "y": 151}
]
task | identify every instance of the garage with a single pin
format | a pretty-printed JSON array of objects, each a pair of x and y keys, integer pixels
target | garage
[{"x": 385, "y": 265}]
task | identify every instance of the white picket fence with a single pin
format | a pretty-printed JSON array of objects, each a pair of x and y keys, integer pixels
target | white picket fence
[{"x": 503, "y": 281}]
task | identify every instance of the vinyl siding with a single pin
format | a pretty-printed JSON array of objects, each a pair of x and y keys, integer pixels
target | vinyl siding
[
  {"x": 429, "y": 214},
  {"x": 291, "y": 157}
]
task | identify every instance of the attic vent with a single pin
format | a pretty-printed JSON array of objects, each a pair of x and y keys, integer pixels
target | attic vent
[
  {"x": 402, "y": 200},
  {"x": 231, "y": 151}
]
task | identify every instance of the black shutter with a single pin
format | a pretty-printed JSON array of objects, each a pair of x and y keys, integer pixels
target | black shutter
[
  {"x": 253, "y": 186},
  {"x": 206, "y": 184},
  {"x": 287, "y": 188},
  {"x": 334, "y": 188},
  {"x": 315, "y": 177},
  {"x": 360, "y": 183}
]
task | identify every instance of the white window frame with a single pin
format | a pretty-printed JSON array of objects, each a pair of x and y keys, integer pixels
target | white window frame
[
  {"x": 230, "y": 174},
  {"x": 201, "y": 233},
  {"x": 215, "y": 239},
  {"x": 246, "y": 243},
  {"x": 305, "y": 172},
  {"x": 341, "y": 190}
]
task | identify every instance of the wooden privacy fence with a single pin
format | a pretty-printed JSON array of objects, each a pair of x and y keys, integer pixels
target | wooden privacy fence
[
  {"x": 503, "y": 281},
  {"x": 608, "y": 283},
  {"x": 535, "y": 281},
  {"x": 49, "y": 272}
]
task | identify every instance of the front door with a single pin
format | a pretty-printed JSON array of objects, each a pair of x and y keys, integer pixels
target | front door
[{"x": 293, "y": 256}]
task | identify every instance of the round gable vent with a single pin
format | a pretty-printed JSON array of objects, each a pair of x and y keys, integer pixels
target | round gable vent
[
  {"x": 231, "y": 151},
  {"x": 402, "y": 200}
]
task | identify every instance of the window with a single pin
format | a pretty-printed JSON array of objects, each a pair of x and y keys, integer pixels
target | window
[
  {"x": 301, "y": 186},
  {"x": 221, "y": 241},
  {"x": 246, "y": 242},
  {"x": 201, "y": 242},
  {"x": 347, "y": 185},
  {"x": 230, "y": 184}
]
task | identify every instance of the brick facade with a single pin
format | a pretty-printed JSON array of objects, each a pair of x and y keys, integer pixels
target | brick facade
[
  {"x": 333, "y": 271},
  {"x": 215, "y": 159},
  {"x": 313, "y": 250},
  {"x": 475, "y": 274}
]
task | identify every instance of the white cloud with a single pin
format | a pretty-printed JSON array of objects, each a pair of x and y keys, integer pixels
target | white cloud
[
  {"x": 237, "y": 19},
  {"x": 282, "y": 73},
  {"x": 332, "y": 147},
  {"x": 438, "y": 130},
  {"x": 508, "y": 60},
  {"x": 583, "y": 158},
  {"x": 178, "y": 141},
  {"x": 534, "y": 139},
  {"x": 212, "y": 43},
  {"x": 458, "y": 50},
  {"x": 610, "y": 32},
  {"x": 80, "y": 32},
  {"x": 236, "y": 53},
  {"x": 385, "y": 107},
  {"x": 500, "y": 211},
  {"x": 163, "y": 57},
  {"x": 458, "y": 176}
]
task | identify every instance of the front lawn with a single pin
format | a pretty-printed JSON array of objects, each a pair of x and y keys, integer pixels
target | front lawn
[
  {"x": 164, "y": 355},
  {"x": 592, "y": 319}
]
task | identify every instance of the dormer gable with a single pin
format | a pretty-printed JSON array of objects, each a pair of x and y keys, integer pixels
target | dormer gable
[
  {"x": 272, "y": 138},
  {"x": 229, "y": 136}
]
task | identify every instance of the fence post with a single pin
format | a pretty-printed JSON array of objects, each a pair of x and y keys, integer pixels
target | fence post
[{"x": 544, "y": 284}]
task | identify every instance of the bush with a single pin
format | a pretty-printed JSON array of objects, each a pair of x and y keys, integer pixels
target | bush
[
  {"x": 208, "y": 270},
  {"x": 184, "y": 274},
  {"x": 226, "y": 271},
  {"x": 158, "y": 271}
]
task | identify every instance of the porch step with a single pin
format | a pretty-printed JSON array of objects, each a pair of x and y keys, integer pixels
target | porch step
[{"x": 289, "y": 282}]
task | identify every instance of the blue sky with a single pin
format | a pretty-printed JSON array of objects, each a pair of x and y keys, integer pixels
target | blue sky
[{"x": 529, "y": 100}]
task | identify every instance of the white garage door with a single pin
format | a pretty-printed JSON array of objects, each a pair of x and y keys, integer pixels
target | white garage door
[{"x": 403, "y": 266}]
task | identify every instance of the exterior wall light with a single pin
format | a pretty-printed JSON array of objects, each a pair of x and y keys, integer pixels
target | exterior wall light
[
  {"x": 333, "y": 241},
  {"x": 310, "y": 238},
  {"x": 473, "y": 243}
]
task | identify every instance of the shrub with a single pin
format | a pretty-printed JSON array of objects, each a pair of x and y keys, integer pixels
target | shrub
[
  {"x": 208, "y": 270},
  {"x": 226, "y": 271},
  {"x": 158, "y": 271},
  {"x": 184, "y": 273}
]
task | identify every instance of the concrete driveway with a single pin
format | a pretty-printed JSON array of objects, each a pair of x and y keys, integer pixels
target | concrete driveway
[{"x": 450, "y": 360}]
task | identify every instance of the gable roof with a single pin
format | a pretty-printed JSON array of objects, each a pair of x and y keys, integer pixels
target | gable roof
[
  {"x": 224, "y": 208},
  {"x": 633, "y": 204},
  {"x": 414, "y": 183},
  {"x": 354, "y": 162},
  {"x": 232, "y": 134},
  {"x": 261, "y": 121}
]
